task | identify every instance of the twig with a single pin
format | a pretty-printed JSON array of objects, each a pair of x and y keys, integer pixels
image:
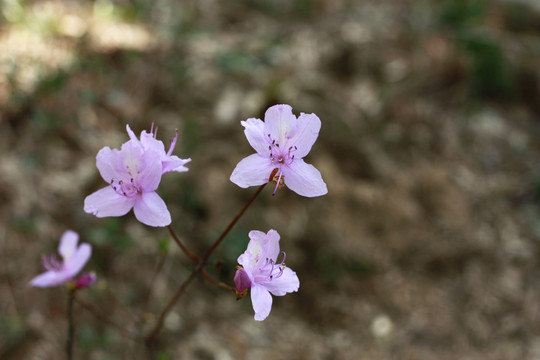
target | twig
[
  {"x": 191, "y": 255},
  {"x": 201, "y": 262}
]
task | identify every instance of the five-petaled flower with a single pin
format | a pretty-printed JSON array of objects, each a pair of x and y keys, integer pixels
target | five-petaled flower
[
  {"x": 281, "y": 141},
  {"x": 133, "y": 174},
  {"x": 74, "y": 258},
  {"x": 260, "y": 272}
]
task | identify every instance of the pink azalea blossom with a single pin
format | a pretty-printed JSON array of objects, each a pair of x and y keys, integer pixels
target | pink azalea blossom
[
  {"x": 133, "y": 174},
  {"x": 148, "y": 141},
  {"x": 74, "y": 258},
  {"x": 281, "y": 142},
  {"x": 261, "y": 272}
]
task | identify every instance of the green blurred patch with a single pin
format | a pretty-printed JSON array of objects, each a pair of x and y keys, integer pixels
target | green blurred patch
[
  {"x": 111, "y": 233},
  {"x": 14, "y": 333},
  {"x": 463, "y": 13},
  {"x": 24, "y": 224},
  {"x": 333, "y": 267},
  {"x": 489, "y": 70},
  {"x": 236, "y": 62},
  {"x": 88, "y": 339}
]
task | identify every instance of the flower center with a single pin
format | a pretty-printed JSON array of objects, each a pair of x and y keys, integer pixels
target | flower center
[
  {"x": 280, "y": 156},
  {"x": 124, "y": 188}
]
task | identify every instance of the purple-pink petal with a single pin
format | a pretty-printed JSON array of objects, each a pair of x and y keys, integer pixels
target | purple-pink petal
[
  {"x": 151, "y": 210},
  {"x": 304, "y": 179},
  {"x": 107, "y": 202},
  {"x": 271, "y": 245},
  {"x": 76, "y": 262},
  {"x": 280, "y": 123},
  {"x": 174, "y": 163},
  {"x": 254, "y": 131},
  {"x": 257, "y": 241},
  {"x": 107, "y": 162},
  {"x": 150, "y": 174},
  {"x": 68, "y": 244},
  {"x": 49, "y": 278},
  {"x": 253, "y": 170},
  {"x": 305, "y": 133},
  {"x": 285, "y": 283},
  {"x": 261, "y": 301}
]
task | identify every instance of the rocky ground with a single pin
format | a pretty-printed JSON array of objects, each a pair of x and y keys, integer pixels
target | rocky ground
[{"x": 426, "y": 246}]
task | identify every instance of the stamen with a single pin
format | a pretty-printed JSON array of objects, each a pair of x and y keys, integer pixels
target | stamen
[
  {"x": 277, "y": 183},
  {"x": 51, "y": 263},
  {"x": 173, "y": 144}
]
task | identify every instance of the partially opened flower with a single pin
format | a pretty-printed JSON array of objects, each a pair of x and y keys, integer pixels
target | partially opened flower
[
  {"x": 133, "y": 174},
  {"x": 261, "y": 272},
  {"x": 281, "y": 142},
  {"x": 74, "y": 258},
  {"x": 148, "y": 141}
]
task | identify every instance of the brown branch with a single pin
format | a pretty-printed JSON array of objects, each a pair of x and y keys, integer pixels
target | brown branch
[
  {"x": 191, "y": 255},
  {"x": 200, "y": 267}
]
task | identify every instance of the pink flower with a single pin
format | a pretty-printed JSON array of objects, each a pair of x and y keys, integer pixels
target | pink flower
[
  {"x": 133, "y": 174},
  {"x": 281, "y": 142},
  {"x": 74, "y": 259},
  {"x": 261, "y": 272},
  {"x": 148, "y": 141}
]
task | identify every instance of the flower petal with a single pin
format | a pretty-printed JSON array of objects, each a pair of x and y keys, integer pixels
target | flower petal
[
  {"x": 271, "y": 245},
  {"x": 131, "y": 134},
  {"x": 254, "y": 130},
  {"x": 151, "y": 210},
  {"x": 286, "y": 283},
  {"x": 304, "y": 179},
  {"x": 306, "y": 132},
  {"x": 280, "y": 123},
  {"x": 256, "y": 244},
  {"x": 46, "y": 279},
  {"x": 261, "y": 301},
  {"x": 107, "y": 164},
  {"x": 76, "y": 262},
  {"x": 248, "y": 263},
  {"x": 150, "y": 174},
  {"x": 68, "y": 244},
  {"x": 174, "y": 163},
  {"x": 150, "y": 142},
  {"x": 252, "y": 171},
  {"x": 107, "y": 202}
]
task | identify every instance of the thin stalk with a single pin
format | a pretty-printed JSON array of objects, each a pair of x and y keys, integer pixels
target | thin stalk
[
  {"x": 191, "y": 255},
  {"x": 71, "y": 326},
  {"x": 230, "y": 226}
]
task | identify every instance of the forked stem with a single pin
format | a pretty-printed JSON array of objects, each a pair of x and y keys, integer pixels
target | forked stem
[{"x": 200, "y": 267}]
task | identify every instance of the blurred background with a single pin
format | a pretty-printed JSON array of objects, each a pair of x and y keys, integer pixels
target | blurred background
[{"x": 426, "y": 246}]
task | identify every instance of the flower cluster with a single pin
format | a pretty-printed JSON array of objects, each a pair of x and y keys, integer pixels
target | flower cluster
[{"x": 133, "y": 174}]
